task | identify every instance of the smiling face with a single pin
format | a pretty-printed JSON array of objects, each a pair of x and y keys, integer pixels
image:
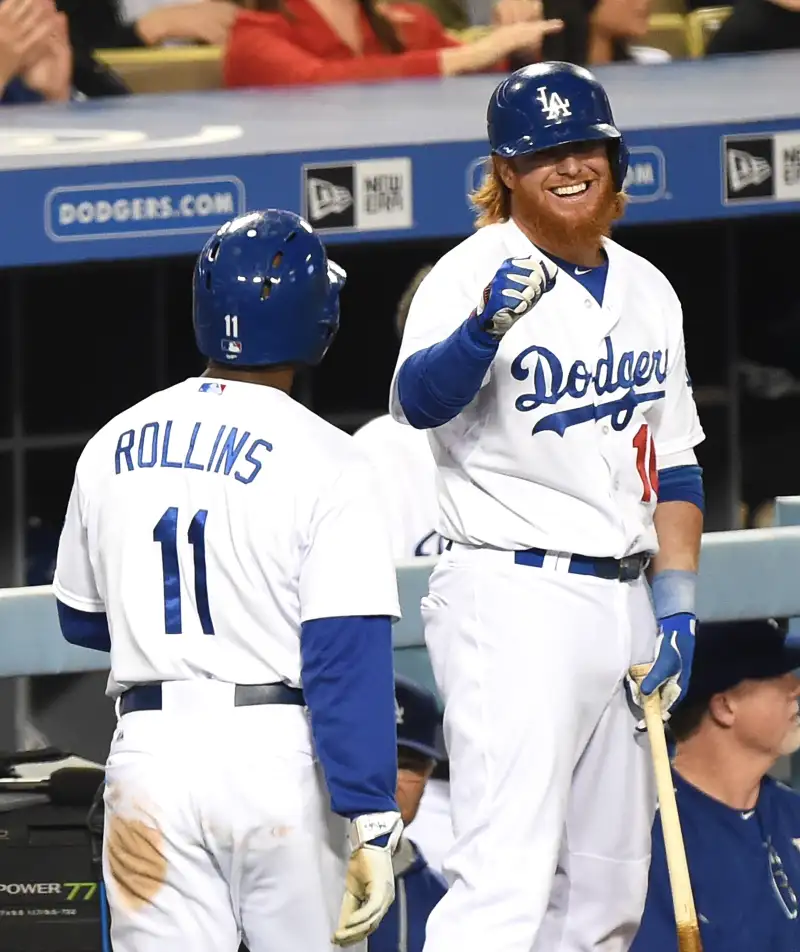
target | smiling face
[{"x": 564, "y": 197}]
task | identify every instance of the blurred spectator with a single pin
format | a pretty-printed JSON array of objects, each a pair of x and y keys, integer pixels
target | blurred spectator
[
  {"x": 114, "y": 24},
  {"x": 288, "y": 42},
  {"x": 758, "y": 25},
  {"x": 432, "y": 827},
  {"x": 417, "y": 887},
  {"x": 402, "y": 458},
  {"x": 35, "y": 52},
  {"x": 614, "y": 28},
  {"x": 741, "y": 828},
  {"x": 597, "y": 32}
]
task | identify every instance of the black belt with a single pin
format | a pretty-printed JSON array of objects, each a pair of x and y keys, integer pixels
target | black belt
[
  {"x": 627, "y": 569},
  {"x": 148, "y": 697}
]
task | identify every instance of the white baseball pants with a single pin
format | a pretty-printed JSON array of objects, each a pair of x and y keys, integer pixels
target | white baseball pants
[
  {"x": 218, "y": 826},
  {"x": 551, "y": 789}
]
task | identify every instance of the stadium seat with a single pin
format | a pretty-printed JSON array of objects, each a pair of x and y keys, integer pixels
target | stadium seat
[
  {"x": 701, "y": 25},
  {"x": 667, "y": 6},
  {"x": 177, "y": 69},
  {"x": 668, "y": 32}
]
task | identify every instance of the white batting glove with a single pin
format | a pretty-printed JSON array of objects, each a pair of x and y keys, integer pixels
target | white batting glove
[
  {"x": 512, "y": 292},
  {"x": 369, "y": 889}
]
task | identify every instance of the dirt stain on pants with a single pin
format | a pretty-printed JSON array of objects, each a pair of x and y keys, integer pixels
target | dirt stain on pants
[{"x": 136, "y": 859}]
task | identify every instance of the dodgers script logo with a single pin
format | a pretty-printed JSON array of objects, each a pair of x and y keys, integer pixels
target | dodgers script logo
[{"x": 551, "y": 384}]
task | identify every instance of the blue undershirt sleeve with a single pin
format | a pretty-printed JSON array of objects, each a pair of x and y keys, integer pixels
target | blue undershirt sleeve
[
  {"x": 681, "y": 484},
  {"x": 348, "y": 681},
  {"x": 85, "y": 629},
  {"x": 436, "y": 383}
]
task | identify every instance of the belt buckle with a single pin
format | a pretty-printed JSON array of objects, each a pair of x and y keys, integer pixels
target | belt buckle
[{"x": 630, "y": 568}]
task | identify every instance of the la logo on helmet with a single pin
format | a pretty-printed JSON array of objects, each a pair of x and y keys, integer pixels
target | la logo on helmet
[{"x": 553, "y": 105}]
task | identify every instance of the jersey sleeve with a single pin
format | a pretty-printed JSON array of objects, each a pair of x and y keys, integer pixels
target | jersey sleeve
[
  {"x": 445, "y": 299},
  {"x": 677, "y": 427},
  {"x": 74, "y": 582},
  {"x": 348, "y": 567}
]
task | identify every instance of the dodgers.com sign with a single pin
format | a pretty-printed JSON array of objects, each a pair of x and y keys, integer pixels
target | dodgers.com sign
[{"x": 142, "y": 209}]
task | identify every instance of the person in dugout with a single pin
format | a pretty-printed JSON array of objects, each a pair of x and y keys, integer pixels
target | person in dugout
[
  {"x": 741, "y": 827},
  {"x": 417, "y": 887}
]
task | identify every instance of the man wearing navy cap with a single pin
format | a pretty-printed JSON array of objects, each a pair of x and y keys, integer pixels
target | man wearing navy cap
[
  {"x": 741, "y": 827},
  {"x": 417, "y": 887}
]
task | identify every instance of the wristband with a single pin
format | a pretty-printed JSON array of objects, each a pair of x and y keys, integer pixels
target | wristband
[
  {"x": 370, "y": 826},
  {"x": 674, "y": 592}
]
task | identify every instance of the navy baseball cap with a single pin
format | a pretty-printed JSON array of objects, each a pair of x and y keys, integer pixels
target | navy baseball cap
[
  {"x": 727, "y": 653},
  {"x": 417, "y": 716}
]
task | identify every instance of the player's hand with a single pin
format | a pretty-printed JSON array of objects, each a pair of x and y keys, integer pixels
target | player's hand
[
  {"x": 672, "y": 666},
  {"x": 369, "y": 889},
  {"x": 514, "y": 290}
]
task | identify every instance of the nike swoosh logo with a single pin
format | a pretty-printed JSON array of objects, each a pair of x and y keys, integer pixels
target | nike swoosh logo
[
  {"x": 746, "y": 816},
  {"x": 582, "y": 270}
]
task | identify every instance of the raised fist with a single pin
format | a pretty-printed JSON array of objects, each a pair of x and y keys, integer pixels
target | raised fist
[{"x": 512, "y": 292}]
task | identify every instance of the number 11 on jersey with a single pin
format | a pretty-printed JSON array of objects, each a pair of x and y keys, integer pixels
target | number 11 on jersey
[{"x": 166, "y": 534}]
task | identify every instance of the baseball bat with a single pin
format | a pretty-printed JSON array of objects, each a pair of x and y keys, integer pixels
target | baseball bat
[{"x": 686, "y": 922}]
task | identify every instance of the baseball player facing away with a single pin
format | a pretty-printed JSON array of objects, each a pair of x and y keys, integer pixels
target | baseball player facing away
[
  {"x": 214, "y": 545},
  {"x": 547, "y": 364}
]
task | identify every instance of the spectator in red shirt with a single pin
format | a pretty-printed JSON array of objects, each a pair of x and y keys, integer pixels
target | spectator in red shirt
[{"x": 292, "y": 42}]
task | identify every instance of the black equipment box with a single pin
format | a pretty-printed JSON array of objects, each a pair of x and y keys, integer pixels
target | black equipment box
[{"x": 50, "y": 894}]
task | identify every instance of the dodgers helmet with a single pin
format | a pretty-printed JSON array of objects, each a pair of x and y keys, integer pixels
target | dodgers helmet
[
  {"x": 552, "y": 104},
  {"x": 265, "y": 292}
]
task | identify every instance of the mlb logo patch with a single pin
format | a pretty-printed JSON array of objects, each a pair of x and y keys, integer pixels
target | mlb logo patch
[
  {"x": 232, "y": 347},
  {"x": 212, "y": 387}
]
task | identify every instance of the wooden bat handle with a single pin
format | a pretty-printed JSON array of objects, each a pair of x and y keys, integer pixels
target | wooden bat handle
[{"x": 680, "y": 883}]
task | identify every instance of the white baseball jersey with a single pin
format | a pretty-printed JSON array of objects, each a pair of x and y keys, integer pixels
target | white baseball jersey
[
  {"x": 210, "y": 521},
  {"x": 560, "y": 448},
  {"x": 406, "y": 475}
]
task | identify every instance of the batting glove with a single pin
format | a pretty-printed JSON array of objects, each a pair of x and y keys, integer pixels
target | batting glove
[
  {"x": 369, "y": 889},
  {"x": 672, "y": 666},
  {"x": 512, "y": 292}
]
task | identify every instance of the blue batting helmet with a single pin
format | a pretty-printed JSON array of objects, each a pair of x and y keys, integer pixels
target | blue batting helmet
[
  {"x": 551, "y": 104},
  {"x": 265, "y": 292}
]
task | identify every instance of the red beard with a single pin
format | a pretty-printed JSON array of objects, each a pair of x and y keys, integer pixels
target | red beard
[{"x": 568, "y": 234}]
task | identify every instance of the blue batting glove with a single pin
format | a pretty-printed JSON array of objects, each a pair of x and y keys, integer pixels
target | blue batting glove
[
  {"x": 512, "y": 292},
  {"x": 672, "y": 667}
]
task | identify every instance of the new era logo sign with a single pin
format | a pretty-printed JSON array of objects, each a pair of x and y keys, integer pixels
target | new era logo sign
[
  {"x": 748, "y": 169},
  {"x": 328, "y": 198},
  {"x": 365, "y": 195}
]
